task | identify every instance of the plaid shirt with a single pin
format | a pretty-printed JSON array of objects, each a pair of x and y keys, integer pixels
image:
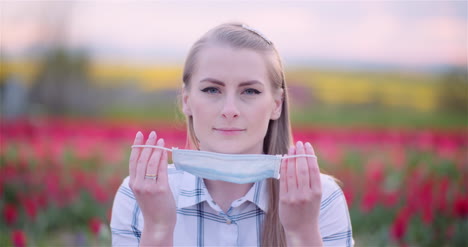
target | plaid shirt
[{"x": 200, "y": 222}]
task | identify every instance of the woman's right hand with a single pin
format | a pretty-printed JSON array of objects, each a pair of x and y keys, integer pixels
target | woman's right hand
[{"x": 154, "y": 196}]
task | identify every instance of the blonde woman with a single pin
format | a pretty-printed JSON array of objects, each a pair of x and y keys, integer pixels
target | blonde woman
[{"x": 244, "y": 182}]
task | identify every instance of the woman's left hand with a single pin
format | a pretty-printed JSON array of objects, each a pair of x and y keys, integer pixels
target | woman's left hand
[{"x": 300, "y": 197}]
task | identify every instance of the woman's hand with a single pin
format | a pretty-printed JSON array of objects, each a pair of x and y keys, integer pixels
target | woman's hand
[
  {"x": 154, "y": 196},
  {"x": 300, "y": 197}
]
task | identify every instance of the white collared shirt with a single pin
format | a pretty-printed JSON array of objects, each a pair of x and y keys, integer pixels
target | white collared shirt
[{"x": 201, "y": 222}]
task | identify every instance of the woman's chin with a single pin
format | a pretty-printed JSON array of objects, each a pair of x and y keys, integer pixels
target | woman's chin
[{"x": 228, "y": 148}]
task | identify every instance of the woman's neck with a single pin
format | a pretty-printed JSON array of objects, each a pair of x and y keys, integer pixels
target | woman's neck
[{"x": 224, "y": 193}]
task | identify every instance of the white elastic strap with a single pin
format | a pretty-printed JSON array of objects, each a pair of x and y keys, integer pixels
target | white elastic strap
[
  {"x": 299, "y": 155},
  {"x": 170, "y": 150},
  {"x": 151, "y": 146}
]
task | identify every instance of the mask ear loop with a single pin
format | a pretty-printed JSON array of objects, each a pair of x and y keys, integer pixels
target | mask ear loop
[
  {"x": 170, "y": 150},
  {"x": 299, "y": 155},
  {"x": 152, "y": 146}
]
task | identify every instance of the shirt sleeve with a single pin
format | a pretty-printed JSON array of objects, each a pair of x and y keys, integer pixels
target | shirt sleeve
[
  {"x": 335, "y": 222},
  {"x": 125, "y": 217}
]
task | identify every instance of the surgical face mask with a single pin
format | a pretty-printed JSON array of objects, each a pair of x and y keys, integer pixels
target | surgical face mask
[{"x": 234, "y": 168}]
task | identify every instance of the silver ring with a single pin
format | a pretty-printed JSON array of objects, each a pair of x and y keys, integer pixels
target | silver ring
[{"x": 151, "y": 177}]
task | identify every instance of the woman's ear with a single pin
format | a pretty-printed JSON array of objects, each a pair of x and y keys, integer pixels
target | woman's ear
[
  {"x": 278, "y": 98},
  {"x": 185, "y": 103}
]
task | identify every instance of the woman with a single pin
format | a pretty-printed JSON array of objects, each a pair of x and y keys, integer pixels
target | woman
[{"x": 236, "y": 103}]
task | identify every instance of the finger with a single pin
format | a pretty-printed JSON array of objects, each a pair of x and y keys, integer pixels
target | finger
[
  {"x": 314, "y": 171},
  {"x": 144, "y": 156},
  {"x": 154, "y": 161},
  {"x": 162, "y": 169},
  {"x": 291, "y": 172},
  {"x": 134, "y": 155},
  {"x": 302, "y": 169},
  {"x": 283, "y": 177}
]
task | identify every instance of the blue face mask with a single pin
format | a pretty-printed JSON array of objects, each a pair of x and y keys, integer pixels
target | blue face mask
[{"x": 234, "y": 168}]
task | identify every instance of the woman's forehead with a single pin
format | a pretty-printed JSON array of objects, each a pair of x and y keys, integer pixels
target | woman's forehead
[{"x": 220, "y": 62}]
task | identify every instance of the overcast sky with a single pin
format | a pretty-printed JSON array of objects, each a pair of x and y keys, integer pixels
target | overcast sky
[{"x": 404, "y": 33}]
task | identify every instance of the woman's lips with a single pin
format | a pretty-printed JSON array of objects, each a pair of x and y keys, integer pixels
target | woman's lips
[{"x": 229, "y": 131}]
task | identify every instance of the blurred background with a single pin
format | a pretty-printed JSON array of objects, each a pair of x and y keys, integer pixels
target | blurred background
[{"x": 380, "y": 88}]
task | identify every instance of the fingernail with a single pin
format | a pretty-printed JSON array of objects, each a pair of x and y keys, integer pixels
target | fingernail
[
  {"x": 308, "y": 145},
  {"x": 152, "y": 135},
  {"x": 160, "y": 142},
  {"x": 300, "y": 144},
  {"x": 138, "y": 135}
]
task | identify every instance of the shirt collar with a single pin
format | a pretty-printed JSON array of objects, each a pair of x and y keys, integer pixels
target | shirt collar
[
  {"x": 193, "y": 191},
  {"x": 258, "y": 195}
]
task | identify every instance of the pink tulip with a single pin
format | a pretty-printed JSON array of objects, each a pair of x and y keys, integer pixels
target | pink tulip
[{"x": 18, "y": 238}]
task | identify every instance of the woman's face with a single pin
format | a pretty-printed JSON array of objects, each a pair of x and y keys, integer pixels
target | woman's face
[{"x": 231, "y": 100}]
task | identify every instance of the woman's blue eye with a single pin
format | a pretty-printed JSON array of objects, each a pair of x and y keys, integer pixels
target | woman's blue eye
[
  {"x": 251, "y": 91},
  {"x": 210, "y": 90}
]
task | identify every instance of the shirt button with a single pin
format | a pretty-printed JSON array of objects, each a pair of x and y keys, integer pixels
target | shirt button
[{"x": 228, "y": 221}]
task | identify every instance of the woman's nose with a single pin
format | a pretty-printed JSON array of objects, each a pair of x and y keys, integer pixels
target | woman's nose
[{"x": 230, "y": 109}]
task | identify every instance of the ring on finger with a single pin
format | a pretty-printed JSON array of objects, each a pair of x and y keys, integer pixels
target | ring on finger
[{"x": 151, "y": 176}]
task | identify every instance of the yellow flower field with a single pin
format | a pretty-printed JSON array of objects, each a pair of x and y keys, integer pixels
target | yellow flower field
[{"x": 413, "y": 91}]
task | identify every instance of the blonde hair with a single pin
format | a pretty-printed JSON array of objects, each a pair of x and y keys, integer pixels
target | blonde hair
[{"x": 278, "y": 137}]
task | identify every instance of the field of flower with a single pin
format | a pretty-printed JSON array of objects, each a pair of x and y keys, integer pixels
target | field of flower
[
  {"x": 58, "y": 177},
  {"x": 417, "y": 91}
]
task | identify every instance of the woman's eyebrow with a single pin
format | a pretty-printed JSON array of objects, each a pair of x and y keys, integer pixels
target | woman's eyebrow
[
  {"x": 245, "y": 83},
  {"x": 251, "y": 82},
  {"x": 213, "y": 81}
]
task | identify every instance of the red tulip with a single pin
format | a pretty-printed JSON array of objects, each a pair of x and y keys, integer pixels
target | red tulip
[
  {"x": 18, "y": 238},
  {"x": 398, "y": 228},
  {"x": 94, "y": 225},
  {"x": 10, "y": 213},
  {"x": 30, "y": 207},
  {"x": 100, "y": 194},
  {"x": 427, "y": 202},
  {"x": 369, "y": 200},
  {"x": 461, "y": 206}
]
